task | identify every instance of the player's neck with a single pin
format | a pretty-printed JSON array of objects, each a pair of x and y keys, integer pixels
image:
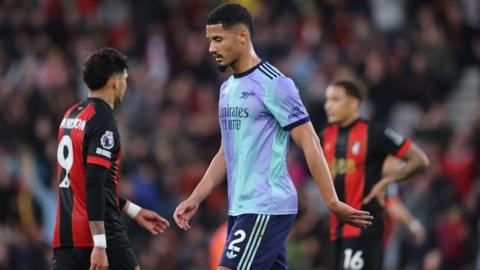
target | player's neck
[
  {"x": 246, "y": 61},
  {"x": 104, "y": 95},
  {"x": 347, "y": 122}
]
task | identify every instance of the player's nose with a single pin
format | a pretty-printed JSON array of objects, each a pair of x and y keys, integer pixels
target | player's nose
[
  {"x": 212, "y": 48},
  {"x": 327, "y": 106}
]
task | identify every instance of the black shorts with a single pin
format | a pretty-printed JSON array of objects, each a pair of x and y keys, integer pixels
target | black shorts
[
  {"x": 358, "y": 253},
  {"x": 71, "y": 258}
]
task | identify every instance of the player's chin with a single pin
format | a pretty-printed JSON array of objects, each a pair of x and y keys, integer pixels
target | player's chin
[
  {"x": 222, "y": 67},
  {"x": 332, "y": 120}
]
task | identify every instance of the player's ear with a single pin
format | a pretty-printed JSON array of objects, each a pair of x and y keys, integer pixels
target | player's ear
[
  {"x": 243, "y": 35},
  {"x": 355, "y": 103},
  {"x": 114, "y": 82}
]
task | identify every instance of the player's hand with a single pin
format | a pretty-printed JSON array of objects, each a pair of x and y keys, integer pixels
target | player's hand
[
  {"x": 377, "y": 192},
  {"x": 98, "y": 259},
  {"x": 152, "y": 221},
  {"x": 184, "y": 212},
  {"x": 417, "y": 231},
  {"x": 352, "y": 216}
]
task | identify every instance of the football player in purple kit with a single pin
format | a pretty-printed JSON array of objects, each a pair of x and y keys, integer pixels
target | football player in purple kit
[{"x": 259, "y": 109}]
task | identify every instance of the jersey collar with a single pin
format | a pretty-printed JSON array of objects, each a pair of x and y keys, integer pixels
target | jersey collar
[
  {"x": 245, "y": 73},
  {"x": 99, "y": 100}
]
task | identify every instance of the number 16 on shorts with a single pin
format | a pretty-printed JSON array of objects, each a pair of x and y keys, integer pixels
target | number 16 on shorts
[{"x": 353, "y": 259}]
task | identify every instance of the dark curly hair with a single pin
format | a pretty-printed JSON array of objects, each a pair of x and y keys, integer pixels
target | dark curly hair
[{"x": 102, "y": 64}]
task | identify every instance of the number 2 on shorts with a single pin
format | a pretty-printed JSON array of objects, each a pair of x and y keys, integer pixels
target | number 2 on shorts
[{"x": 242, "y": 235}]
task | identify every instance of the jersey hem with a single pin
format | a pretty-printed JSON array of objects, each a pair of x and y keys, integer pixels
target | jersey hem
[
  {"x": 276, "y": 213},
  {"x": 297, "y": 123}
]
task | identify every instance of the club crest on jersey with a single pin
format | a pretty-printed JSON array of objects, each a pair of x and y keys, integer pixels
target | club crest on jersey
[
  {"x": 107, "y": 140},
  {"x": 246, "y": 94},
  {"x": 356, "y": 148}
]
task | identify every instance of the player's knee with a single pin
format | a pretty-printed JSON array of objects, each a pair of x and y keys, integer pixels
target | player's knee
[
  {"x": 137, "y": 268},
  {"x": 224, "y": 268}
]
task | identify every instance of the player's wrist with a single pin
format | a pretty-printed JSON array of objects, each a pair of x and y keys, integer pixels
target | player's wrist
[
  {"x": 132, "y": 210},
  {"x": 194, "y": 199},
  {"x": 99, "y": 241},
  {"x": 414, "y": 225},
  {"x": 387, "y": 180},
  {"x": 333, "y": 204}
]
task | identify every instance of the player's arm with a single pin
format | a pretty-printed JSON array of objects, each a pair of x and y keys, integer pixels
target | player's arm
[
  {"x": 95, "y": 200},
  {"x": 415, "y": 160},
  {"x": 399, "y": 212},
  {"x": 149, "y": 220},
  {"x": 214, "y": 175},
  {"x": 394, "y": 206},
  {"x": 305, "y": 137}
]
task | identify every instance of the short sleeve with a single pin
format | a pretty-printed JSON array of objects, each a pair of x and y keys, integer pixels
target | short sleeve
[
  {"x": 284, "y": 103},
  {"x": 101, "y": 143},
  {"x": 392, "y": 142}
]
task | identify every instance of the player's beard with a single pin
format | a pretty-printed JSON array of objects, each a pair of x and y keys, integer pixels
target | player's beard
[{"x": 223, "y": 68}]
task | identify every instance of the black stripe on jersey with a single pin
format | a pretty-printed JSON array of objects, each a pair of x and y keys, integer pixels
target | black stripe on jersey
[
  {"x": 267, "y": 73},
  {"x": 341, "y": 153},
  {"x": 66, "y": 196},
  {"x": 269, "y": 67}
]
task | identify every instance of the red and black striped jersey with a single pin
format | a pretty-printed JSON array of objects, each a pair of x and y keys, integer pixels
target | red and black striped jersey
[
  {"x": 355, "y": 155},
  {"x": 87, "y": 135}
]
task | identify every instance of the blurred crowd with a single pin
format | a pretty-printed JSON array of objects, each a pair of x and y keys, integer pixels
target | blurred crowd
[{"x": 405, "y": 51}]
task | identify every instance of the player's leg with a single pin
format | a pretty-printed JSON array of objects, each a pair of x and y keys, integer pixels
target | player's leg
[
  {"x": 238, "y": 229},
  {"x": 122, "y": 258},
  {"x": 266, "y": 243},
  {"x": 281, "y": 261}
]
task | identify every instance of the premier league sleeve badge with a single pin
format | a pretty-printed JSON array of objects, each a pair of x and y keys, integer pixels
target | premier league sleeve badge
[{"x": 107, "y": 141}]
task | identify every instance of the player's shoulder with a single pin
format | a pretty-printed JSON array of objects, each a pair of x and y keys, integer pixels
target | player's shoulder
[
  {"x": 378, "y": 130},
  {"x": 332, "y": 127},
  {"x": 373, "y": 127},
  {"x": 100, "y": 107},
  {"x": 272, "y": 79},
  {"x": 81, "y": 110},
  {"x": 268, "y": 73},
  {"x": 101, "y": 113}
]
